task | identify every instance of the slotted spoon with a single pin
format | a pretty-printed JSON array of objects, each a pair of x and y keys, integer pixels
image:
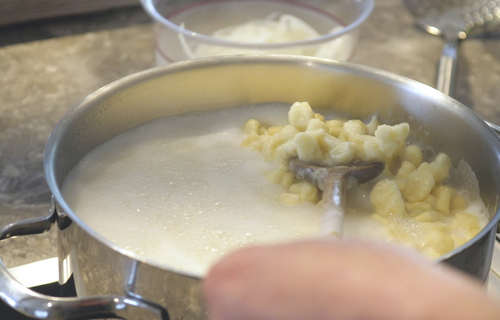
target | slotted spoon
[
  {"x": 454, "y": 20},
  {"x": 334, "y": 182}
]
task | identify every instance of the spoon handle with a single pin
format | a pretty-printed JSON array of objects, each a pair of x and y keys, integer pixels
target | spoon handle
[
  {"x": 334, "y": 195},
  {"x": 447, "y": 67}
]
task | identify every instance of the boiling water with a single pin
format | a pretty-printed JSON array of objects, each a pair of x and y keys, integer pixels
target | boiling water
[{"x": 181, "y": 191}]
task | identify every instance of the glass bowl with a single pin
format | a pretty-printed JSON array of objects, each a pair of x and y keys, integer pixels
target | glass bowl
[{"x": 195, "y": 29}]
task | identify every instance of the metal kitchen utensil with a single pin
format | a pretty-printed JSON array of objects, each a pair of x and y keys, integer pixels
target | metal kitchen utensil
[
  {"x": 335, "y": 181},
  {"x": 454, "y": 20}
]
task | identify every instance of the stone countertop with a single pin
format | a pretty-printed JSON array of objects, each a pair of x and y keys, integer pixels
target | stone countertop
[{"x": 41, "y": 80}]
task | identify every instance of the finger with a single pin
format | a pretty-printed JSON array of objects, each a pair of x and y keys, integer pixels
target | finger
[{"x": 328, "y": 280}]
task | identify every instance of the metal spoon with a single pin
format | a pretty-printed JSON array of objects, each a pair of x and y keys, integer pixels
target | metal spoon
[
  {"x": 335, "y": 181},
  {"x": 454, "y": 20}
]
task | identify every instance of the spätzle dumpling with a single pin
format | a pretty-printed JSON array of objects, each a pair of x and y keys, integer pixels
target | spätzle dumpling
[
  {"x": 443, "y": 196},
  {"x": 289, "y": 199},
  {"x": 386, "y": 199},
  {"x": 300, "y": 114},
  {"x": 440, "y": 167},
  {"x": 413, "y": 154},
  {"x": 342, "y": 153},
  {"x": 269, "y": 146},
  {"x": 391, "y": 138},
  {"x": 273, "y": 130},
  {"x": 457, "y": 202},
  {"x": 434, "y": 241},
  {"x": 253, "y": 140},
  {"x": 251, "y": 125},
  {"x": 427, "y": 216},
  {"x": 418, "y": 185},
  {"x": 288, "y": 132},
  {"x": 411, "y": 199},
  {"x": 281, "y": 177},
  {"x": 315, "y": 124},
  {"x": 335, "y": 127},
  {"x": 286, "y": 151},
  {"x": 352, "y": 131},
  {"x": 308, "y": 148},
  {"x": 332, "y": 142},
  {"x": 306, "y": 191}
]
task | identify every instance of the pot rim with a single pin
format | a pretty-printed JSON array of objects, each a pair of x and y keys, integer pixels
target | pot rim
[{"x": 121, "y": 84}]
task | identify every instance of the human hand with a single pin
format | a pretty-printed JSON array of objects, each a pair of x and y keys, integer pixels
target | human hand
[{"x": 340, "y": 280}]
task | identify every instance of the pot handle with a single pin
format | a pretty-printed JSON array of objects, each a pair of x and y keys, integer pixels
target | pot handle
[{"x": 35, "y": 305}]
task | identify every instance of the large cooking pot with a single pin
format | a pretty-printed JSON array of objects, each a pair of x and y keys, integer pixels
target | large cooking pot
[{"x": 111, "y": 281}]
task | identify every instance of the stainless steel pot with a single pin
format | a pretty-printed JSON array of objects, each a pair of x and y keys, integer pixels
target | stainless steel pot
[{"x": 113, "y": 281}]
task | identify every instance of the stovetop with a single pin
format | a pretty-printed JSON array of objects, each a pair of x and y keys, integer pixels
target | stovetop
[
  {"x": 42, "y": 277},
  {"x": 52, "y": 289}
]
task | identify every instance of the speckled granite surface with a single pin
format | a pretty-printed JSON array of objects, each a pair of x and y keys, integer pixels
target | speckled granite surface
[{"x": 40, "y": 81}]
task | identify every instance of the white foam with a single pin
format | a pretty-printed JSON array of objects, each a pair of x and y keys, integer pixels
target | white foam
[
  {"x": 464, "y": 180},
  {"x": 182, "y": 191}
]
